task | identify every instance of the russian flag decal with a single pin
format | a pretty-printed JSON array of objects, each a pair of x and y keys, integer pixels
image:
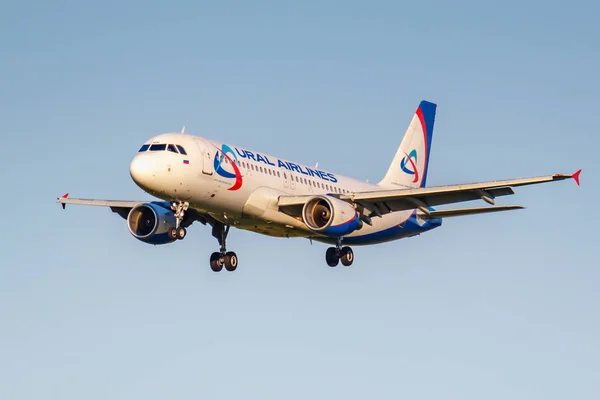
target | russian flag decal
[{"x": 186, "y": 161}]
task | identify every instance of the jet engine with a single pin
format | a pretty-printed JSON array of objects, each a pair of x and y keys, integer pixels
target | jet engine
[
  {"x": 330, "y": 216},
  {"x": 150, "y": 223}
]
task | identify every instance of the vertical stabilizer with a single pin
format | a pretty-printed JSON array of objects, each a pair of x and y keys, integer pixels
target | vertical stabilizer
[{"x": 410, "y": 165}]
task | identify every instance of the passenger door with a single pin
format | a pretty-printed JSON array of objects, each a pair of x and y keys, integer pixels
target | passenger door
[{"x": 207, "y": 161}]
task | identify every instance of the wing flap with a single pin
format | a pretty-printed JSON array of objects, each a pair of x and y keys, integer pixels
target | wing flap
[
  {"x": 431, "y": 200},
  {"x": 466, "y": 211}
]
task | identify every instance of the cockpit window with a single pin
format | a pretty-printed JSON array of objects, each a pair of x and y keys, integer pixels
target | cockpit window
[
  {"x": 181, "y": 150},
  {"x": 172, "y": 148},
  {"x": 158, "y": 147},
  {"x": 144, "y": 148}
]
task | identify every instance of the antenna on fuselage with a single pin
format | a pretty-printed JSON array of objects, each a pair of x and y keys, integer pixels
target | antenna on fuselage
[
  {"x": 317, "y": 165},
  {"x": 183, "y": 130}
]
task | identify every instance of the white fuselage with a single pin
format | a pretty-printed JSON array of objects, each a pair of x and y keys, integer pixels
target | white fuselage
[{"x": 245, "y": 195}]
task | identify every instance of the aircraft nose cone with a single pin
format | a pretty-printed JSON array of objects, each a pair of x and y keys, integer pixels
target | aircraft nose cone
[{"x": 141, "y": 171}]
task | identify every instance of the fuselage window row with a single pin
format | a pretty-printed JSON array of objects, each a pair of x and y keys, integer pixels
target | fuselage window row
[{"x": 251, "y": 167}]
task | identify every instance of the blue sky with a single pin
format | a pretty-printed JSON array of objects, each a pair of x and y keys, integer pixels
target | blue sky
[{"x": 495, "y": 306}]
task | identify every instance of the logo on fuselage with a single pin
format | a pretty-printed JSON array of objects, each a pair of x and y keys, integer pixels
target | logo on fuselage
[
  {"x": 409, "y": 165},
  {"x": 227, "y": 156}
]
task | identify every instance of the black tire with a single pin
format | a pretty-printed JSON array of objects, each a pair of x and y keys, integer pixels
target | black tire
[
  {"x": 331, "y": 257},
  {"x": 181, "y": 232},
  {"x": 215, "y": 262},
  {"x": 231, "y": 261},
  {"x": 347, "y": 256},
  {"x": 172, "y": 233}
]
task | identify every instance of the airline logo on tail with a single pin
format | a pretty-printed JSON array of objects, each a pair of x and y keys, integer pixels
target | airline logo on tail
[
  {"x": 409, "y": 165},
  {"x": 220, "y": 156}
]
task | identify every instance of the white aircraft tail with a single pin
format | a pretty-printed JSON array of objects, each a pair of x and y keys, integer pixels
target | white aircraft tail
[{"x": 410, "y": 165}]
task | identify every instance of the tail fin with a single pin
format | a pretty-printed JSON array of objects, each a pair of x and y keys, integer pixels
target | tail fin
[{"x": 410, "y": 165}]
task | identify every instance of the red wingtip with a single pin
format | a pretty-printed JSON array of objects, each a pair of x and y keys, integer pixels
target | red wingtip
[
  {"x": 64, "y": 196},
  {"x": 576, "y": 176}
]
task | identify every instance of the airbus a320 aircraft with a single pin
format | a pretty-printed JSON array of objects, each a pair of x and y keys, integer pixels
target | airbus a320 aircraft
[{"x": 225, "y": 186}]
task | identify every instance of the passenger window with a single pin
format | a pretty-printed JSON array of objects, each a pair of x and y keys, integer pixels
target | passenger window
[
  {"x": 172, "y": 148},
  {"x": 181, "y": 150},
  {"x": 278, "y": 174},
  {"x": 270, "y": 172},
  {"x": 261, "y": 170},
  {"x": 158, "y": 147},
  {"x": 144, "y": 148},
  {"x": 284, "y": 175}
]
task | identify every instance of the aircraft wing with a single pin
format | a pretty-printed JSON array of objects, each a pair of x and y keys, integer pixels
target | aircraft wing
[
  {"x": 64, "y": 200},
  {"x": 122, "y": 207},
  {"x": 377, "y": 203}
]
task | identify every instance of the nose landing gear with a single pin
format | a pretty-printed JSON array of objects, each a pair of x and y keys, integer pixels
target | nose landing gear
[
  {"x": 223, "y": 257},
  {"x": 178, "y": 232}
]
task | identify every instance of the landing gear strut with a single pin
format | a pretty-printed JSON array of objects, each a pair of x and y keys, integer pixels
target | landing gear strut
[
  {"x": 333, "y": 255},
  {"x": 222, "y": 257},
  {"x": 179, "y": 231}
]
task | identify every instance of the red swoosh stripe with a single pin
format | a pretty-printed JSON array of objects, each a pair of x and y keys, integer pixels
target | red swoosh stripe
[
  {"x": 414, "y": 167},
  {"x": 424, "y": 128},
  {"x": 238, "y": 175}
]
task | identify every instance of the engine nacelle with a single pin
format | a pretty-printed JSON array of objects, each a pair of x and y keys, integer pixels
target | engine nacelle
[
  {"x": 330, "y": 216},
  {"x": 150, "y": 223}
]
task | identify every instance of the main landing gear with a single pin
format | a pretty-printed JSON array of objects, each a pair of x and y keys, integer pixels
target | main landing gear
[
  {"x": 223, "y": 257},
  {"x": 179, "y": 231},
  {"x": 333, "y": 255}
]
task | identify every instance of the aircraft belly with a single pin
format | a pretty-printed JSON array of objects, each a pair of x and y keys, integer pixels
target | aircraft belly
[{"x": 269, "y": 229}]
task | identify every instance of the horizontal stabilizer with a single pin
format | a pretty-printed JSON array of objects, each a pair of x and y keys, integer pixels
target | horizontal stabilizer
[{"x": 466, "y": 211}]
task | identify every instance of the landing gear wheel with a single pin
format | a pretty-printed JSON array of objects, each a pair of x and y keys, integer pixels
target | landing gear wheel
[
  {"x": 223, "y": 257},
  {"x": 331, "y": 256},
  {"x": 216, "y": 262},
  {"x": 172, "y": 233},
  {"x": 347, "y": 256},
  {"x": 231, "y": 261},
  {"x": 181, "y": 232}
]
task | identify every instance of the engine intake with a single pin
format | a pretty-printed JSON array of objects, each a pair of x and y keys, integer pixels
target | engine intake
[
  {"x": 150, "y": 223},
  {"x": 330, "y": 216}
]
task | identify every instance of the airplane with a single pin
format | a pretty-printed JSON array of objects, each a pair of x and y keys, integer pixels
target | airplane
[{"x": 223, "y": 185}]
